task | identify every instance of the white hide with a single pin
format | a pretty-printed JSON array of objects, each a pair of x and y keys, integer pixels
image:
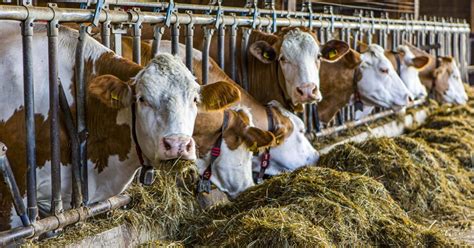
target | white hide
[
  {"x": 300, "y": 64},
  {"x": 232, "y": 170},
  {"x": 380, "y": 85},
  {"x": 296, "y": 151},
  {"x": 409, "y": 74},
  {"x": 456, "y": 93}
]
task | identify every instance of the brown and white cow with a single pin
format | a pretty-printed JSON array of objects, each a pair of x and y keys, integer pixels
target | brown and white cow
[
  {"x": 292, "y": 149},
  {"x": 164, "y": 92},
  {"x": 441, "y": 76}
]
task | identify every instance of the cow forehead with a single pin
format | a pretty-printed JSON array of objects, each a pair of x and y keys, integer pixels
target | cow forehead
[
  {"x": 297, "y": 43},
  {"x": 165, "y": 74},
  {"x": 374, "y": 53}
]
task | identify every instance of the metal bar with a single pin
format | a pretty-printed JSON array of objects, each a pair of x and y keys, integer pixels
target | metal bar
[
  {"x": 158, "y": 32},
  {"x": 118, "y": 39},
  {"x": 63, "y": 219},
  {"x": 243, "y": 52},
  {"x": 12, "y": 12},
  {"x": 9, "y": 180},
  {"x": 28, "y": 84},
  {"x": 189, "y": 46},
  {"x": 205, "y": 53},
  {"x": 220, "y": 46},
  {"x": 333, "y": 130},
  {"x": 232, "y": 52},
  {"x": 74, "y": 139},
  {"x": 175, "y": 38},
  {"x": 137, "y": 43},
  {"x": 56, "y": 201},
  {"x": 105, "y": 34}
]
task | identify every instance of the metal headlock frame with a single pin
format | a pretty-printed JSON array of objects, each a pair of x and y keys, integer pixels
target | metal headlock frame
[{"x": 363, "y": 25}]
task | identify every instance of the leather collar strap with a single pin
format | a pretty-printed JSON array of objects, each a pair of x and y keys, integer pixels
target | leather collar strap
[
  {"x": 358, "y": 105},
  {"x": 265, "y": 160},
  {"x": 205, "y": 180},
  {"x": 146, "y": 172}
]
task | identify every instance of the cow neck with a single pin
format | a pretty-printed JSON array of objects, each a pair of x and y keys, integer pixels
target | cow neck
[
  {"x": 204, "y": 184},
  {"x": 265, "y": 159},
  {"x": 358, "y": 104},
  {"x": 433, "y": 82},
  {"x": 144, "y": 167}
]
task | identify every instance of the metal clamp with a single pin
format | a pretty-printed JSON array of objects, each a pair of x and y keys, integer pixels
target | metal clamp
[
  {"x": 54, "y": 23},
  {"x": 169, "y": 12},
  {"x": 98, "y": 8}
]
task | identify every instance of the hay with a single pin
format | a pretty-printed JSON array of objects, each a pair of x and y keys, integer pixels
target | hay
[
  {"x": 315, "y": 207},
  {"x": 426, "y": 183}
]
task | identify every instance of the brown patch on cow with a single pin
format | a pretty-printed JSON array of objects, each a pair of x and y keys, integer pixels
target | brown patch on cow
[
  {"x": 111, "y": 91},
  {"x": 283, "y": 127},
  {"x": 337, "y": 84},
  {"x": 219, "y": 95},
  {"x": 392, "y": 57}
]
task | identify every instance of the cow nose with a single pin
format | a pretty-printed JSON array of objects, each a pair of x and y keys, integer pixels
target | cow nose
[
  {"x": 176, "y": 146},
  {"x": 308, "y": 93}
]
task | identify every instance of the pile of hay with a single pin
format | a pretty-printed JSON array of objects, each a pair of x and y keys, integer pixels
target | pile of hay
[
  {"x": 428, "y": 184},
  {"x": 315, "y": 207},
  {"x": 159, "y": 209}
]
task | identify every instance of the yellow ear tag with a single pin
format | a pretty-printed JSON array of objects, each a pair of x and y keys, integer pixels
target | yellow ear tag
[
  {"x": 114, "y": 96},
  {"x": 266, "y": 55},
  {"x": 253, "y": 148},
  {"x": 332, "y": 54}
]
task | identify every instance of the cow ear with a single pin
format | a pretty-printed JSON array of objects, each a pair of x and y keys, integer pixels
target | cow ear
[
  {"x": 362, "y": 47},
  {"x": 333, "y": 50},
  {"x": 263, "y": 52},
  {"x": 219, "y": 95},
  {"x": 111, "y": 91},
  {"x": 352, "y": 59},
  {"x": 420, "y": 62},
  {"x": 256, "y": 138}
]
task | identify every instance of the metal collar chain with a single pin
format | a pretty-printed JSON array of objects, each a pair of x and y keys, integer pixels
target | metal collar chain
[
  {"x": 204, "y": 184},
  {"x": 265, "y": 159}
]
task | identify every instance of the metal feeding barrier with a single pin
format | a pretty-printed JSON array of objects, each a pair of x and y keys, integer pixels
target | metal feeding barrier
[{"x": 116, "y": 18}]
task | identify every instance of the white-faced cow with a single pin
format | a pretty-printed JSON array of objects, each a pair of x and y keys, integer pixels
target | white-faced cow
[{"x": 164, "y": 92}]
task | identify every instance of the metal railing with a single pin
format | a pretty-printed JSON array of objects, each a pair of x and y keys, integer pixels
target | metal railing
[{"x": 451, "y": 34}]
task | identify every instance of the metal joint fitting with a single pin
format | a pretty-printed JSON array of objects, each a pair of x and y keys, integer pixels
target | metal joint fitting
[{"x": 53, "y": 24}]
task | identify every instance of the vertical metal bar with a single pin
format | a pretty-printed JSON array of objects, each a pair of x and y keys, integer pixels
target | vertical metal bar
[
  {"x": 28, "y": 84},
  {"x": 456, "y": 46},
  {"x": 205, "y": 53},
  {"x": 245, "y": 40},
  {"x": 76, "y": 200},
  {"x": 118, "y": 40},
  {"x": 308, "y": 117},
  {"x": 137, "y": 33},
  {"x": 81, "y": 112},
  {"x": 232, "y": 52},
  {"x": 9, "y": 180},
  {"x": 105, "y": 34},
  {"x": 175, "y": 38},
  {"x": 220, "y": 46},
  {"x": 56, "y": 203},
  {"x": 317, "y": 123},
  {"x": 189, "y": 46},
  {"x": 157, "y": 34},
  {"x": 448, "y": 44}
]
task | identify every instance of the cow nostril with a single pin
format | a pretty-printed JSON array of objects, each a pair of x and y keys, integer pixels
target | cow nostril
[
  {"x": 299, "y": 91},
  {"x": 189, "y": 146},
  {"x": 314, "y": 91},
  {"x": 167, "y": 144}
]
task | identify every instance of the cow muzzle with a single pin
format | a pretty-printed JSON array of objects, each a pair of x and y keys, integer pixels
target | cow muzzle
[
  {"x": 177, "y": 146},
  {"x": 308, "y": 93}
]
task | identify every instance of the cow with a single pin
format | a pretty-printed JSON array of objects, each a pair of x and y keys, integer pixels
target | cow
[
  {"x": 407, "y": 66},
  {"x": 163, "y": 94},
  {"x": 291, "y": 150},
  {"x": 441, "y": 77}
]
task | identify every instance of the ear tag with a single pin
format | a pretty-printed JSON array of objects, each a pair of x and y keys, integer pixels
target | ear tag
[
  {"x": 114, "y": 96},
  {"x": 253, "y": 147},
  {"x": 266, "y": 55},
  {"x": 332, "y": 54},
  {"x": 358, "y": 105}
]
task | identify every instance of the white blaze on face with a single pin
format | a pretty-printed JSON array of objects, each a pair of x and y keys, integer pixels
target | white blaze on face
[
  {"x": 232, "y": 170},
  {"x": 166, "y": 108},
  {"x": 409, "y": 74},
  {"x": 294, "y": 152},
  {"x": 300, "y": 66},
  {"x": 380, "y": 84},
  {"x": 456, "y": 92}
]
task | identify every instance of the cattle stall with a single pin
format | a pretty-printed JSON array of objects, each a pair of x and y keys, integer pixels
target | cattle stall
[{"x": 115, "y": 19}]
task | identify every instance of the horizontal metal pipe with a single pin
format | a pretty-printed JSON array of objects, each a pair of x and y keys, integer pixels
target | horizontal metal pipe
[
  {"x": 63, "y": 219},
  {"x": 352, "y": 124},
  {"x": 83, "y": 15}
]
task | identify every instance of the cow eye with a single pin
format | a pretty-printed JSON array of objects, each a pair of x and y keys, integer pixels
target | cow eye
[
  {"x": 141, "y": 99},
  {"x": 195, "y": 99},
  {"x": 384, "y": 70},
  {"x": 283, "y": 59}
]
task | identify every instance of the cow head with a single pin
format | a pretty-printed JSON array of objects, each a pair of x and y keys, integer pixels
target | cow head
[
  {"x": 409, "y": 67},
  {"x": 380, "y": 84},
  {"x": 448, "y": 86},
  {"x": 297, "y": 55},
  {"x": 292, "y": 149},
  {"x": 166, "y": 100},
  {"x": 232, "y": 170}
]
